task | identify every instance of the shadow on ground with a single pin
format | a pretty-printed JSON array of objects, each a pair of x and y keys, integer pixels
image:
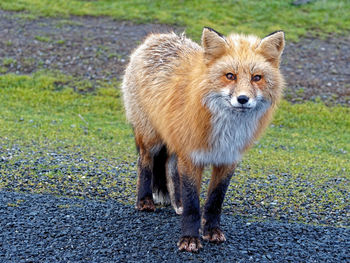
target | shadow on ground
[{"x": 45, "y": 228}]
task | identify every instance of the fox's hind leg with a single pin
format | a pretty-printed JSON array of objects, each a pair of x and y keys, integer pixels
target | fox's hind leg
[
  {"x": 173, "y": 183},
  {"x": 145, "y": 162},
  {"x": 144, "y": 200}
]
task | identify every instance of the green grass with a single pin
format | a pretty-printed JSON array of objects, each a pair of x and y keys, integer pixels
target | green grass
[
  {"x": 252, "y": 16},
  {"x": 3, "y": 70},
  {"x": 302, "y": 162},
  {"x": 43, "y": 39},
  {"x": 41, "y": 107},
  {"x": 8, "y": 61}
]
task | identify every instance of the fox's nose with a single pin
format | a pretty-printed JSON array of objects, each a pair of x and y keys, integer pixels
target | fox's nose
[{"x": 243, "y": 99}]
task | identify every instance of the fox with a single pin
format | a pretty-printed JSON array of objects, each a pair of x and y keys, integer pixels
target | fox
[{"x": 196, "y": 105}]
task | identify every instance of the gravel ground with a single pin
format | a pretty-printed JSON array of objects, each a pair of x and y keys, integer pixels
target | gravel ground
[
  {"x": 86, "y": 47},
  {"x": 98, "y": 48},
  {"x": 318, "y": 69},
  {"x": 44, "y": 228},
  {"x": 74, "y": 171}
]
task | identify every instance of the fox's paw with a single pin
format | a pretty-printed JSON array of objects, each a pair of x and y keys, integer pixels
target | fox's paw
[
  {"x": 178, "y": 207},
  {"x": 189, "y": 244},
  {"x": 214, "y": 235},
  {"x": 146, "y": 205},
  {"x": 178, "y": 210}
]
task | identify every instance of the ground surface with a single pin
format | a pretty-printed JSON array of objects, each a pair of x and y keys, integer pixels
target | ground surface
[
  {"x": 43, "y": 228},
  {"x": 98, "y": 48},
  {"x": 47, "y": 228}
]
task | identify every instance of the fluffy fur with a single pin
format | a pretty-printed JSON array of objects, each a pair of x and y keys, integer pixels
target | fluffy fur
[
  {"x": 188, "y": 97},
  {"x": 231, "y": 130},
  {"x": 167, "y": 83}
]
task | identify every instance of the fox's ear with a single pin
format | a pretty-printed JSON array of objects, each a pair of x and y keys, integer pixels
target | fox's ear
[
  {"x": 272, "y": 47},
  {"x": 214, "y": 44}
]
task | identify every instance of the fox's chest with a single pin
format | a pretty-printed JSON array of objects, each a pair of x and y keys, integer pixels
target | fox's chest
[
  {"x": 231, "y": 132},
  {"x": 227, "y": 140}
]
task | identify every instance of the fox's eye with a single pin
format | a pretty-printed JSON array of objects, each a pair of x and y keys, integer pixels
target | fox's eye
[
  {"x": 256, "y": 78},
  {"x": 231, "y": 76}
]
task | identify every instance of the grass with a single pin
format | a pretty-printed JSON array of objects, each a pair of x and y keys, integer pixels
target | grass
[
  {"x": 302, "y": 162},
  {"x": 41, "y": 106},
  {"x": 300, "y": 166},
  {"x": 43, "y": 39},
  {"x": 8, "y": 61},
  {"x": 251, "y": 16},
  {"x": 3, "y": 70}
]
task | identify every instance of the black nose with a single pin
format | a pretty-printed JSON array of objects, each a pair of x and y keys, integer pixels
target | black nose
[{"x": 243, "y": 99}]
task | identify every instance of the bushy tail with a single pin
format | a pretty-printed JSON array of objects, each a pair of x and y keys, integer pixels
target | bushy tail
[
  {"x": 166, "y": 180},
  {"x": 159, "y": 180}
]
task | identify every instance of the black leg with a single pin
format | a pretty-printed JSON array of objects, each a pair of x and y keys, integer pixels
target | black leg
[
  {"x": 144, "y": 190},
  {"x": 212, "y": 209},
  {"x": 190, "y": 223},
  {"x": 191, "y": 208}
]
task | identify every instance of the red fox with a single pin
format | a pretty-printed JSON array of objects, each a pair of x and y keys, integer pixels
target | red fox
[{"x": 191, "y": 106}]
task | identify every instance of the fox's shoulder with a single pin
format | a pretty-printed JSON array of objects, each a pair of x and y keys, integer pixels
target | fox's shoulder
[
  {"x": 170, "y": 42},
  {"x": 159, "y": 50},
  {"x": 163, "y": 53}
]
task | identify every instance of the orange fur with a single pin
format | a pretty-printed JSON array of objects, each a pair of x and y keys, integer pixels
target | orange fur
[{"x": 170, "y": 94}]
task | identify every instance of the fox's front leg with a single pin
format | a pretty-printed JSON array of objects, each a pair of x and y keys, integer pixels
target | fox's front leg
[
  {"x": 190, "y": 177},
  {"x": 212, "y": 210}
]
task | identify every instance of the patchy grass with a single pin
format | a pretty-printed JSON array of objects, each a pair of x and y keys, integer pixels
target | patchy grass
[
  {"x": 8, "y": 62},
  {"x": 43, "y": 39},
  {"x": 60, "y": 42},
  {"x": 3, "y": 70},
  {"x": 42, "y": 107},
  {"x": 56, "y": 140},
  {"x": 251, "y": 16},
  {"x": 300, "y": 169}
]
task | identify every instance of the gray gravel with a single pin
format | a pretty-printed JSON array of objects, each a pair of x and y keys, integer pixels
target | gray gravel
[
  {"x": 45, "y": 228},
  {"x": 318, "y": 69},
  {"x": 75, "y": 172}
]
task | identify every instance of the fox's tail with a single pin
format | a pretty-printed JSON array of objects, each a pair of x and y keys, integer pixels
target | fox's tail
[
  {"x": 166, "y": 181},
  {"x": 159, "y": 181}
]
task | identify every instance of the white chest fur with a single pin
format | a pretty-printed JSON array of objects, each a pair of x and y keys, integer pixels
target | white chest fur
[{"x": 231, "y": 131}]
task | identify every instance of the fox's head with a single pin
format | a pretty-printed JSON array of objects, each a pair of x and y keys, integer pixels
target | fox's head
[{"x": 243, "y": 71}]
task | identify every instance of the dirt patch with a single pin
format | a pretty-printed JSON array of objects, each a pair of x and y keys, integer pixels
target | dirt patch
[
  {"x": 85, "y": 47},
  {"x": 98, "y": 49},
  {"x": 318, "y": 69}
]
